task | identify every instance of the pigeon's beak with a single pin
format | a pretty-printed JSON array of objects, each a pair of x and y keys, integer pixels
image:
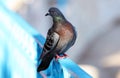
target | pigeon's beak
[{"x": 47, "y": 14}]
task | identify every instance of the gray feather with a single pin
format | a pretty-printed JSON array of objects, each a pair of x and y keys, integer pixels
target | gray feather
[{"x": 51, "y": 42}]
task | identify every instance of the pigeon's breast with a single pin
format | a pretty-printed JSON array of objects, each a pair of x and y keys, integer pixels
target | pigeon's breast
[{"x": 66, "y": 35}]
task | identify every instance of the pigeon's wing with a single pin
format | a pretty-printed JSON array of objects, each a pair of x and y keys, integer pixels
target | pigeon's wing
[
  {"x": 49, "y": 47},
  {"x": 51, "y": 42},
  {"x": 74, "y": 36}
]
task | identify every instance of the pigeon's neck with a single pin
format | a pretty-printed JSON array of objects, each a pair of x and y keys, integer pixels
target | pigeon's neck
[{"x": 59, "y": 19}]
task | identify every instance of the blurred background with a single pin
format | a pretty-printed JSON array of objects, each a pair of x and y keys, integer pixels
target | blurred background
[{"x": 97, "y": 22}]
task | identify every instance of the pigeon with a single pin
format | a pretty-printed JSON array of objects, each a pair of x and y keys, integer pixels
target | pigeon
[{"x": 60, "y": 37}]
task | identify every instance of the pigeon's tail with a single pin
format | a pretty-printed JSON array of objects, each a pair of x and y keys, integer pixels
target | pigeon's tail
[{"x": 45, "y": 61}]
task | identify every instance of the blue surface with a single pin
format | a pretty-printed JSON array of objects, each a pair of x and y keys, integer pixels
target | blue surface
[
  {"x": 62, "y": 2},
  {"x": 19, "y": 51}
]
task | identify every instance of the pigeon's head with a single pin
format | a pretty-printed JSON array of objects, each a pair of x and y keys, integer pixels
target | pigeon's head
[{"x": 55, "y": 13}]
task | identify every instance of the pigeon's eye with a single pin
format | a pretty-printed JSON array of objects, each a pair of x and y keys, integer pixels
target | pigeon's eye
[{"x": 52, "y": 12}]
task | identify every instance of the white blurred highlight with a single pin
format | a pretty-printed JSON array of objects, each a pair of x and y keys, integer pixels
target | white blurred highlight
[
  {"x": 112, "y": 60},
  {"x": 93, "y": 71}
]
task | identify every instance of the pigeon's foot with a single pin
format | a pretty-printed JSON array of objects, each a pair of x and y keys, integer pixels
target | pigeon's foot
[{"x": 60, "y": 56}]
